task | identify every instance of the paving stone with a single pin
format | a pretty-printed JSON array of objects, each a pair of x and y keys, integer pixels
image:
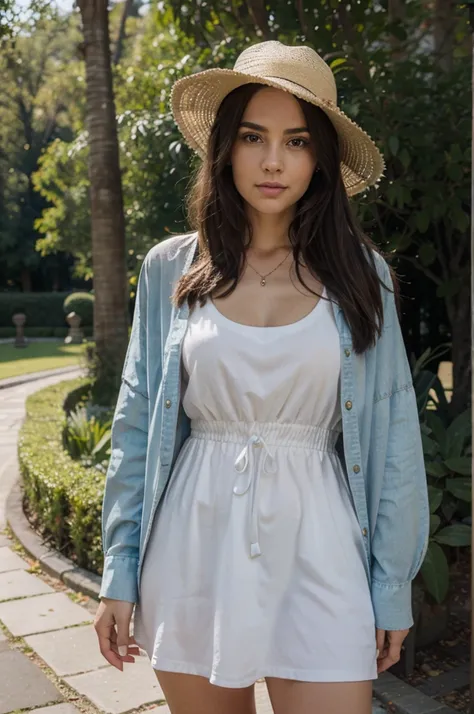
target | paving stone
[
  {"x": 415, "y": 703},
  {"x": 69, "y": 651},
  {"x": 23, "y": 684},
  {"x": 18, "y": 583},
  {"x": 160, "y": 709},
  {"x": 3, "y": 643},
  {"x": 41, "y": 614},
  {"x": 262, "y": 699},
  {"x": 377, "y": 707},
  {"x": 58, "y": 709},
  {"x": 456, "y": 678},
  {"x": 115, "y": 692},
  {"x": 11, "y": 561},
  {"x": 4, "y": 540}
]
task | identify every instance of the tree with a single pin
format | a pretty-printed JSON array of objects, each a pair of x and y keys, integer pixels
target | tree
[
  {"x": 392, "y": 77},
  {"x": 34, "y": 110},
  {"x": 106, "y": 202}
]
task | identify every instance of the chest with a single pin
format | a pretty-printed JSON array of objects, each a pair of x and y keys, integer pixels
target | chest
[{"x": 280, "y": 299}]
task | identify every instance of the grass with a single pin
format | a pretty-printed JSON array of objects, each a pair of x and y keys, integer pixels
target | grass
[{"x": 36, "y": 357}]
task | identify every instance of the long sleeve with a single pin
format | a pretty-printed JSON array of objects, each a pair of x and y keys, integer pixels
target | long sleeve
[
  {"x": 400, "y": 538},
  {"x": 124, "y": 484}
]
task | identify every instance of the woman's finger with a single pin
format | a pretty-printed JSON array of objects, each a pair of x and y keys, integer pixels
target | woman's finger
[{"x": 131, "y": 650}]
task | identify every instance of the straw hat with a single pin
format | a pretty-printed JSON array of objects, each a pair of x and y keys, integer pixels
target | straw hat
[{"x": 196, "y": 98}]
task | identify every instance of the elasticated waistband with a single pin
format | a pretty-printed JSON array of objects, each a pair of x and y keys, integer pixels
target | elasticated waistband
[{"x": 305, "y": 436}]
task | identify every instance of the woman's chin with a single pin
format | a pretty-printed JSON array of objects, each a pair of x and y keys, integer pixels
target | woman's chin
[{"x": 272, "y": 206}]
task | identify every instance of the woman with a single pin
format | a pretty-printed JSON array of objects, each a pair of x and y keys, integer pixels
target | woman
[{"x": 266, "y": 450}]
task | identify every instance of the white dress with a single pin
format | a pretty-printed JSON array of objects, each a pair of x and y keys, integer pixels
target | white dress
[{"x": 254, "y": 566}]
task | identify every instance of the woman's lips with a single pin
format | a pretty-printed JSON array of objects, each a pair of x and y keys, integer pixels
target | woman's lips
[{"x": 270, "y": 191}]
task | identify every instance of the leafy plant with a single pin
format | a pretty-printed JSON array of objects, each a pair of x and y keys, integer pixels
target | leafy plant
[
  {"x": 87, "y": 438},
  {"x": 447, "y": 449}
]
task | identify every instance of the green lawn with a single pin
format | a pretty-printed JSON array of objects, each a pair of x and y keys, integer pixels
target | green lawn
[{"x": 36, "y": 357}]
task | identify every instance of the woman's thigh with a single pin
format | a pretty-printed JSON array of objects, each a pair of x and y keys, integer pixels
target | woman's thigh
[
  {"x": 289, "y": 696},
  {"x": 192, "y": 694}
]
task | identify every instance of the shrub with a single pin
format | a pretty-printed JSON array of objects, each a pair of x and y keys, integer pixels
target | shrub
[
  {"x": 10, "y": 332},
  {"x": 83, "y": 305},
  {"x": 63, "y": 498},
  {"x": 41, "y": 309},
  {"x": 87, "y": 438},
  {"x": 447, "y": 448}
]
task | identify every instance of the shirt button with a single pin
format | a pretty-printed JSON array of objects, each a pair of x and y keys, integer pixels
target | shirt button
[
  {"x": 364, "y": 531},
  {"x": 348, "y": 405},
  {"x": 356, "y": 468},
  {"x": 347, "y": 352},
  {"x": 168, "y": 403}
]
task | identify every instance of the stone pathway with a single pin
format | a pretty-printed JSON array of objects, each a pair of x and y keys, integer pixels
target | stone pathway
[{"x": 49, "y": 659}]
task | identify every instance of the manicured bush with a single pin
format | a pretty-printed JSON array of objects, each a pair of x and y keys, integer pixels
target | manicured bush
[
  {"x": 8, "y": 332},
  {"x": 63, "y": 498},
  {"x": 82, "y": 304},
  {"x": 41, "y": 309}
]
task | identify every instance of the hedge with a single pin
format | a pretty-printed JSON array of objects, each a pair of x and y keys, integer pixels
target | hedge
[
  {"x": 63, "y": 499},
  {"x": 41, "y": 309},
  {"x": 7, "y": 332}
]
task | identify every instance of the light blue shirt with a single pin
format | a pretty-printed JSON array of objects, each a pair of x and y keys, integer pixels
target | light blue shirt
[{"x": 380, "y": 448}]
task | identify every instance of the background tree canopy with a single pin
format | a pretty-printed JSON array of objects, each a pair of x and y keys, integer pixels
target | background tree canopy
[{"x": 403, "y": 72}]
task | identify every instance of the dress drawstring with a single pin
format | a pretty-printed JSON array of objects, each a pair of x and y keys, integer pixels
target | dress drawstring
[{"x": 245, "y": 459}]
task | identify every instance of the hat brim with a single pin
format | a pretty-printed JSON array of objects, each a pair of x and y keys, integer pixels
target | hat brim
[{"x": 196, "y": 98}]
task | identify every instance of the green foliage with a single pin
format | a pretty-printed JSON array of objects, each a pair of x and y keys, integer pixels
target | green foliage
[
  {"x": 62, "y": 179},
  {"x": 422, "y": 206},
  {"x": 447, "y": 447},
  {"x": 87, "y": 438},
  {"x": 36, "y": 97},
  {"x": 63, "y": 498},
  {"x": 7, "y": 332},
  {"x": 82, "y": 304},
  {"x": 41, "y": 309}
]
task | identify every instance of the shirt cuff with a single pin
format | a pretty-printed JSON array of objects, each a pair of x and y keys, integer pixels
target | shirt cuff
[
  {"x": 119, "y": 578},
  {"x": 392, "y": 605}
]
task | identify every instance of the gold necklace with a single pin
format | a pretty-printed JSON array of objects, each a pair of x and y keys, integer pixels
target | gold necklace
[{"x": 263, "y": 281}]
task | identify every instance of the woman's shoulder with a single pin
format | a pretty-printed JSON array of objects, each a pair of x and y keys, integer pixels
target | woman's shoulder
[{"x": 173, "y": 249}]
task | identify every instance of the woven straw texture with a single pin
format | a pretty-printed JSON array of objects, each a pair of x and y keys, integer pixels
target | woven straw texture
[{"x": 196, "y": 98}]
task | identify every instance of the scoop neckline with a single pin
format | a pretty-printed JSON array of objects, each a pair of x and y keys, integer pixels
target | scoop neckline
[{"x": 269, "y": 328}]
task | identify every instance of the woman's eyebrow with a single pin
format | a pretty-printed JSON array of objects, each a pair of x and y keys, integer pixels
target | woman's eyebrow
[{"x": 258, "y": 127}]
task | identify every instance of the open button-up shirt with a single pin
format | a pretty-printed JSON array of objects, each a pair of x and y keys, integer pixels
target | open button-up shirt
[{"x": 380, "y": 449}]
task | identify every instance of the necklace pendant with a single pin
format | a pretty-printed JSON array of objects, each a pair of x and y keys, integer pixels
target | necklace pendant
[{"x": 263, "y": 282}]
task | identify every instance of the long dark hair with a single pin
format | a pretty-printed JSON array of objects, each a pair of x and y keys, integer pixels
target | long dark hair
[{"x": 324, "y": 231}]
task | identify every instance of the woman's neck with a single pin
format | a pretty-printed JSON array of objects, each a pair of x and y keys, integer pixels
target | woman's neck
[{"x": 269, "y": 232}]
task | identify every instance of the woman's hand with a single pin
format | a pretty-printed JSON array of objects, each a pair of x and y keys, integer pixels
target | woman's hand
[
  {"x": 112, "y": 624},
  {"x": 389, "y": 645}
]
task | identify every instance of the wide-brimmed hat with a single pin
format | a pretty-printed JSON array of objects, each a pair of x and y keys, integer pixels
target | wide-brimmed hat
[{"x": 196, "y": 98}]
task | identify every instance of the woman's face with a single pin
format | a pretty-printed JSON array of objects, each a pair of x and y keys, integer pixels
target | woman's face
[{"x": 273, "y": 146}]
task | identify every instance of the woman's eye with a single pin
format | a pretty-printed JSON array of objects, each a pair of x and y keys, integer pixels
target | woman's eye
[
  {"x": 251, "y": 138},
  {"x": 300, "y": 143},
  {"x": 297, "y": 143}
]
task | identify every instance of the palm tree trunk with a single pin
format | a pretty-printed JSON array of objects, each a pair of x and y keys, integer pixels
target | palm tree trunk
[{"x": 107, "y": 220}]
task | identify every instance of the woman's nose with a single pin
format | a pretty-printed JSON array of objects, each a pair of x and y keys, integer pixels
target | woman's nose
[{"x": 272, "y": 160}]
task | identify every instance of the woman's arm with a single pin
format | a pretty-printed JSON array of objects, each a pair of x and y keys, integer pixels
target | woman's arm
[
  {"x": 124, "y": 485},
  {"x": 400, "y": 537}
]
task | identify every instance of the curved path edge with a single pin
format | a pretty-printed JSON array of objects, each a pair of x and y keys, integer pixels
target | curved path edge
[
  {"x": 51, "y": 560},
  {"x": 34, "y": 376}
]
